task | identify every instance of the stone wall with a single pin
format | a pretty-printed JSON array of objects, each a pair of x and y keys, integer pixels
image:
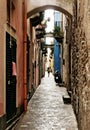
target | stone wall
[
  {"x": 80, "y": 64},
  {"x": 64, "y": 6},
  {"x": 65, "y": 52}
]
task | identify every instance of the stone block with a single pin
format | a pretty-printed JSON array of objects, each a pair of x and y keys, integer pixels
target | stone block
[{"x": 66, "y": 99}]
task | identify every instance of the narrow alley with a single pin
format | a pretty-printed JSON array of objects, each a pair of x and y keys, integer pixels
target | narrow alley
[
  {"x": 46, "y": 110},
  {"x": 36, "y": 37}
]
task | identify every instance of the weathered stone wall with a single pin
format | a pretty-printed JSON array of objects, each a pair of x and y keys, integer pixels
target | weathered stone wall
[{"x": 80, "y": 64}]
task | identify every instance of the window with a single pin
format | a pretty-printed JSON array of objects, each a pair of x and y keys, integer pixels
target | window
[{"x": 8, "y": 10}]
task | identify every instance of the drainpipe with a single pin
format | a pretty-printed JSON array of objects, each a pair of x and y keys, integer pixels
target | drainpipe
[
  {"x": 24, "y": 52},
  {"x": 31, "y": 55}
]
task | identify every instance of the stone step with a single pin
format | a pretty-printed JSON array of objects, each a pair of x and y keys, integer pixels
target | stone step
[{"x": 66, "y": 99}]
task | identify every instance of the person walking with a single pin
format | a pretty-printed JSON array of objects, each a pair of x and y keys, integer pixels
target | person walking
[{"x": 48, "y": 70}]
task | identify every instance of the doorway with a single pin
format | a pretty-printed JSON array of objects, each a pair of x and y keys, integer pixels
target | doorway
[{"x": 10, "y": 76}]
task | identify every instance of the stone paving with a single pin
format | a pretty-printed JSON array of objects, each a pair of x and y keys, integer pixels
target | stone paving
[{"x": 46, "y": 110}]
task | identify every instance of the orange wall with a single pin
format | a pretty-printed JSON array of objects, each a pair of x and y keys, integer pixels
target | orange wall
[
  {"x": 17, "y": 23},
  {"x": 2, "y": 53},
  {"x": 19, "y": 33}
]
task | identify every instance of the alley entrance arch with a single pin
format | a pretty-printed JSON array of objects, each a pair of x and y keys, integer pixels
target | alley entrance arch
[{"x": 64, "y": 6}]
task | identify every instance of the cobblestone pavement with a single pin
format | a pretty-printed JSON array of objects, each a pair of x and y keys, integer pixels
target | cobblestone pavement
[{"x": 46, "y": 110}]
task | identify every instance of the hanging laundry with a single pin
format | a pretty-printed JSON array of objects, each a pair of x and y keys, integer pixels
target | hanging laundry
[{"x": 14, "y": 73}]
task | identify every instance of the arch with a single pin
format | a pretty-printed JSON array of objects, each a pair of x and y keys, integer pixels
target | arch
[{"x": 38, "y": 9}]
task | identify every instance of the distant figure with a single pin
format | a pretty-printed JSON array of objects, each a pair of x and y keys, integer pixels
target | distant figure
[{"x": 48, "y": 70}]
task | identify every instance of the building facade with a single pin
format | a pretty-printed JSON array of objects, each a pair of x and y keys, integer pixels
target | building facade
[
  {"x": 76, "y": 50},
  {"x": 57, "y": 44},
  {"x": 12, "y": 69}
]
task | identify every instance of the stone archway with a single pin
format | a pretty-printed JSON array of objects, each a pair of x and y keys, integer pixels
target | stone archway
[{"x": 64, "y": 6}]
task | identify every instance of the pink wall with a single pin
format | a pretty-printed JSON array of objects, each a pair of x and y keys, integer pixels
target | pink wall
[
  {"x": 19, "y": 33},
  {"x": 17, "y": 23},
  {"x": 2, "y": 53}
]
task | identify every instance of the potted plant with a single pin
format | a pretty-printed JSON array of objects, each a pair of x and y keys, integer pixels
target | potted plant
[{"x": 58, "y": 34}]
